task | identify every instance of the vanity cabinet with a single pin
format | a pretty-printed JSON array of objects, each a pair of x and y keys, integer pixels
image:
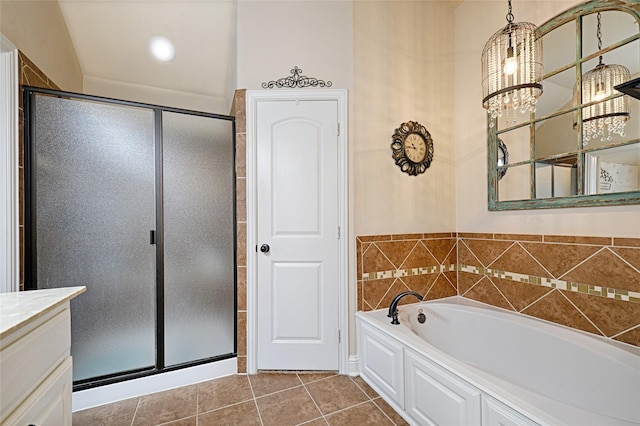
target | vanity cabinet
[{"x": 35, "y": 357}]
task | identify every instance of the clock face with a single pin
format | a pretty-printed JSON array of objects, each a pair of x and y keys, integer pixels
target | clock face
[{"x": 415, "y": 147}]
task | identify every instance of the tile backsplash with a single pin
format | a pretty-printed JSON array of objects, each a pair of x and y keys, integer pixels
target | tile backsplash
[{"x": 587, "y": 283}]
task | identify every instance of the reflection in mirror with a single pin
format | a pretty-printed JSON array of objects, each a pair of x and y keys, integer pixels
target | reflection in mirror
[
  {"x": 519, "y": 143},
  {"x": 613, "y": 170},
  {"x": 598, "y": 132},
  {"x": 557, "y": 178},
  {"x": 556, "y": 136},
  {"x": 559, "y": 48},
  {"x": 615, "y": 26},
  {"x": 503, "y": 159},
  {"x": 558, "y": 94},
  {"x": 515, "y": 185}
]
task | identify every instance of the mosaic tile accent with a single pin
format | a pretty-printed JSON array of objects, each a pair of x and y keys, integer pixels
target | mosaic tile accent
[
  {"x": 592, "y": 290},
  {"x": 397, "y": 273}
]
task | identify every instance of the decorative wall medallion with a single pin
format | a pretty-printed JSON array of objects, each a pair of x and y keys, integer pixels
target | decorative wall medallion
[
  {"x": 296, "y": 80},
  {"x": 412, "y": 148}
]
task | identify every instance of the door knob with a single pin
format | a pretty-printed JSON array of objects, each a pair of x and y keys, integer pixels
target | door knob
[{"x": 265, "y": 248}]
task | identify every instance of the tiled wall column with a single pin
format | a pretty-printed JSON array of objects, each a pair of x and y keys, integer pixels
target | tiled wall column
[
  {"x": 239, "y": 111},
  {"x": 29, "y": 75}
]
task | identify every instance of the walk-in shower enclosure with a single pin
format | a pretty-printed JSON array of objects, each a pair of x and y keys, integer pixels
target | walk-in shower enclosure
[{"x": 137, "y": 203}]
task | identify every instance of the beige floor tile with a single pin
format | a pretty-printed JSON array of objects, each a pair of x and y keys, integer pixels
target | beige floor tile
[
  {"x": 266, "y": 383},
  {"x": 336, "y": 393},
  {"x": 190, "y": 421},
  {"x": 317, "y": 422},
  {"x": 164, "y": 407},
  {"x": 361, "y": 415},
  {"x": 116, "y": 414},
  {"x": 365, "y": 387},
  {"x": 221, "y": 392},
  {"x": 289, "y": 407},
  {"x": 312, "y": 377},
  {"x": 390, "y": 412},
  {"x": 245, "y": 414}
]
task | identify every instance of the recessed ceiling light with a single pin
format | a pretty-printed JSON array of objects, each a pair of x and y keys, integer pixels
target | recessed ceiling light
[{"x": 162, "y": 49}]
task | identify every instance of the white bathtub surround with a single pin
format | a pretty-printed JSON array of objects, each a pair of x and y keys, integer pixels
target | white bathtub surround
[
  {"x": 35, "y": 358},
  {"x": 471, "y": 363}
]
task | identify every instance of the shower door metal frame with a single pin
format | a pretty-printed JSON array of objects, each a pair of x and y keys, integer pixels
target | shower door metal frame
[{"x": 30, "y": 188}]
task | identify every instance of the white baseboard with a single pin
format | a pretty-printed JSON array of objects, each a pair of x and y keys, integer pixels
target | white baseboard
[
  {"x": 353, "y": 366},
  {"x": 159, "y": 382}
]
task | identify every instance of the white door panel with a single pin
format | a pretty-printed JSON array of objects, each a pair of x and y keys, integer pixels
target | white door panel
[{"x": 297, "y": 191}]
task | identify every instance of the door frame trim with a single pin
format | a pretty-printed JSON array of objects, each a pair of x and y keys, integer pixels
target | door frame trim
[
  {"x": 252, "y": 99},
  {"x": 9, "y": 215}
]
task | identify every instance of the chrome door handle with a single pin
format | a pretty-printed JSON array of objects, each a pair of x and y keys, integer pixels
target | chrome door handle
[{"x": 265, "y": 248}]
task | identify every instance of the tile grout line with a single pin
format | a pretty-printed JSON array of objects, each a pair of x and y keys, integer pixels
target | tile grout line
[
  {"x": 135, "y": 412},
  {"x": 255, "y": 402},
  {"x": 314, "y": 402}
]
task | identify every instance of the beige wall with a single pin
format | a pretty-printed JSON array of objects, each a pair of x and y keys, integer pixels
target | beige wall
[
  {"x": 275, "y": 36},
  {"x": 475, "y": 22},
  {"x": 38, "y": 29},
  {"x": 154, "y": 95},
  {"x": 403, "y": 64}
]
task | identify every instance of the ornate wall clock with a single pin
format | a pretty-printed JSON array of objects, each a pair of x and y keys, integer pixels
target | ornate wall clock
[{"x": 412, "y": 148}]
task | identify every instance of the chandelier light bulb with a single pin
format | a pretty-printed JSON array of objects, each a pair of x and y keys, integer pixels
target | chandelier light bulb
[{"x": 510, "y": 66}]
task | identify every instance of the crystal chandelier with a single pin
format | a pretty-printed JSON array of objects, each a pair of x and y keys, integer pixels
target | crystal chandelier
[
  {"x": 512, "y": 70},
  {"x": 608, "y": 117}
]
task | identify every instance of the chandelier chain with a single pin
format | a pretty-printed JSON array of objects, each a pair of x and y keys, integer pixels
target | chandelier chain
[
  {"x": 599, "y": 34},
  {"x": 510, "y": 16}
]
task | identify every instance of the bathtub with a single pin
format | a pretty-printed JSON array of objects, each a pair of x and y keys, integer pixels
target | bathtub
[{"x": 473, "y": 364}]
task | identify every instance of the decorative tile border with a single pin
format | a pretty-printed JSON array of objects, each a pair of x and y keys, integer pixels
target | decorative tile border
[
  {"x": 398, "y": 273},
  {"x": 588, "y": 289}
]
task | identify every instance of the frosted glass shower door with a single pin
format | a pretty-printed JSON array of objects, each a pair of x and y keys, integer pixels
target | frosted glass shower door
[
  {"x": 199, "y": 237},
  {"x": 94, "y": 189}
]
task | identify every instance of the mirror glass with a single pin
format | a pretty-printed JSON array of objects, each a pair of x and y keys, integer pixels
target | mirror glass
[
  {"x": 555, "y": 158},
  {"x": 613, "y": 170},
  {"x": 515, "y": 185},
  {"x": 559, "y": 48},
  {"x": 556, "y": 136}
]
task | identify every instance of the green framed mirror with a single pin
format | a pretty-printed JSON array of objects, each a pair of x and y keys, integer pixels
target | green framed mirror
[{"x": 573, "y": 151}]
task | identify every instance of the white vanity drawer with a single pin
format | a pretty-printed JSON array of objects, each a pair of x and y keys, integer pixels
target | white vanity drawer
[
  {"x": 29, "y": 360},
  {"x": 50, "y": 404}
]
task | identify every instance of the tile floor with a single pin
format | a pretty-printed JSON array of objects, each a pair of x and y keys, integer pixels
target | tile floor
[{"x": 264, "y": 399}]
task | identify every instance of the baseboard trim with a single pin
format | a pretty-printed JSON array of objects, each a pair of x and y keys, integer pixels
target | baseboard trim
[{"x": 107, "y": 394}]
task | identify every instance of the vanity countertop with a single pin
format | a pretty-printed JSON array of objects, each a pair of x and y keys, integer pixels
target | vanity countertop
[{"x": 20, "y": 308}]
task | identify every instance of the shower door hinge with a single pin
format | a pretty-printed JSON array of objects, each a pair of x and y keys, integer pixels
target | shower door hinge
[
  {"x": 338, "y": 129},
  {"x": 339, "y": 337},
  {"x": 338, "y": 232}
]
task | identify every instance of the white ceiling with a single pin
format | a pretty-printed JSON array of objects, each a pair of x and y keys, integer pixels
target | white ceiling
[{"x": 111, "y": 40}]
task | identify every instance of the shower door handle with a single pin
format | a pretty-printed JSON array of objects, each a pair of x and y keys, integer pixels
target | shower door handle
[
  {"x": 152, "y": 237},
  {"x": 265, "y": 248}
]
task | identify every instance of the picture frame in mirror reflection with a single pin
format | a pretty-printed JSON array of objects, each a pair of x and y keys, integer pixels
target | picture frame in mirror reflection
[{"x": 552, "y": 161}]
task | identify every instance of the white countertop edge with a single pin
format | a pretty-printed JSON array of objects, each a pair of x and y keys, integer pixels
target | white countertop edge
[{"x": 21, "y": 308}]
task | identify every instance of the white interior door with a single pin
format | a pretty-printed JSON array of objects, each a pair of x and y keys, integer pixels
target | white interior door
[{"x": 297, "y": 235}]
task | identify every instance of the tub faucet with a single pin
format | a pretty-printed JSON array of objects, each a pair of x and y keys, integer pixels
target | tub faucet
[{"x": 393, "y": 308}]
